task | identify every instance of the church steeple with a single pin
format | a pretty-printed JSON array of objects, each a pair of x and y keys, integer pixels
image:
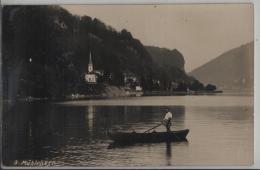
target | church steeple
[
  {"x": 90, "y": 76},
  {"x": 90, "y": 65}
]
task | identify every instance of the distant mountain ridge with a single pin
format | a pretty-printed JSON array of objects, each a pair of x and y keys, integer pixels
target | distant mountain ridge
[
  {"x": 166, "y": 57},
  {"x": 233, "y": 70}
]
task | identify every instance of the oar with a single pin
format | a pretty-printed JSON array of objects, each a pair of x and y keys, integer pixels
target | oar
[{"x": 154, "y": 127}]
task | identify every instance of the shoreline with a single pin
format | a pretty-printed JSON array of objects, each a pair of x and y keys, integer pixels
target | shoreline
[
  {"x": 132, "y": 95},
  {"x": 144, "y": 94},
  {"x": 102, "y": 96}
]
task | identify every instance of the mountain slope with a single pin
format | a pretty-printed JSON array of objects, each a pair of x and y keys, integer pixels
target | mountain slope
[
  {"x": 233, "y": 70},
  {"x": 46, "y": 51},
  {"x": 55, "y": 41}
]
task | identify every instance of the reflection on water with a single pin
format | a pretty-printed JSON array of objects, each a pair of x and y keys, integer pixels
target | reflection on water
[
  {"x": 168, "y": 153},
  {"x": 78, "y": 135}
]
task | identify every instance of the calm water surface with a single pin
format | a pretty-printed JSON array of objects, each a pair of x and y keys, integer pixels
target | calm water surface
[{"x": 76, "y": 133}]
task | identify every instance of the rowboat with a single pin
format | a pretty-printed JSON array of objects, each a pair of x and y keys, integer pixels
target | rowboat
[{"x": 152, "y": 137}]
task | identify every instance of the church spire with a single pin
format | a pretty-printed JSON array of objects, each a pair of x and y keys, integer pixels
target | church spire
[
  {"x": 90, "y": 58},
  {"x": 90, "y": 65}
]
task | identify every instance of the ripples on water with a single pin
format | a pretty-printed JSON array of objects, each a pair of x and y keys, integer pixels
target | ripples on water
[{"x": 76, "y": 133}]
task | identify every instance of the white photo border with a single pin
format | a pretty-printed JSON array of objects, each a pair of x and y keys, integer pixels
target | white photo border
[{"x": 256, "y": 3}]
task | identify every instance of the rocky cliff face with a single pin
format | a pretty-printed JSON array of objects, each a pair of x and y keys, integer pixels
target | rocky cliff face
[{"x": 165, "y": 57}]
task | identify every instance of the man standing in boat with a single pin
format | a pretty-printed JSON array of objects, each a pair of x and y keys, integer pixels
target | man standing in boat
[{"x": 167, "y": 121}]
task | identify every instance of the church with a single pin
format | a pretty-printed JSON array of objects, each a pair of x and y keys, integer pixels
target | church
[{"x": 90, "y": 76}]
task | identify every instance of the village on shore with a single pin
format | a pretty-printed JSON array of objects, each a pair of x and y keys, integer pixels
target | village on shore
[{"x": 132, "y": 87}]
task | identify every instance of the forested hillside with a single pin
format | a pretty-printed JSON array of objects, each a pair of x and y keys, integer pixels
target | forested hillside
[{"x": 46, "y": 49}]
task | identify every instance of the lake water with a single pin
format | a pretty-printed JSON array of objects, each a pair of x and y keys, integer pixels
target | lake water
[{"x": 76, "y": 133}]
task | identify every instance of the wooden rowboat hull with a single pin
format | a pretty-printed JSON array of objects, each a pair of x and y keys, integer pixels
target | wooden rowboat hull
[{"x": 133, "y": 137}]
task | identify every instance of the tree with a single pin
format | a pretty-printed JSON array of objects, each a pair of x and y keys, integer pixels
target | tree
[
  {"x": 211, "y": 87},
  {"x": 196, "y": 86},
  {"x": 182, "y": 87}
]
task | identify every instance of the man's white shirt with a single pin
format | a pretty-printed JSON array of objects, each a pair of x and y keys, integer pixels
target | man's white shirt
[{"x": 168, "y": 116}]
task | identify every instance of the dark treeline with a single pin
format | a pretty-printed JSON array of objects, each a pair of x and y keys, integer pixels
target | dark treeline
[{"x": 45, "y": 54}]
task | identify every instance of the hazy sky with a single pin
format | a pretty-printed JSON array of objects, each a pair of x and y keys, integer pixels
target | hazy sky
[{"x": 199, "y": 32}]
